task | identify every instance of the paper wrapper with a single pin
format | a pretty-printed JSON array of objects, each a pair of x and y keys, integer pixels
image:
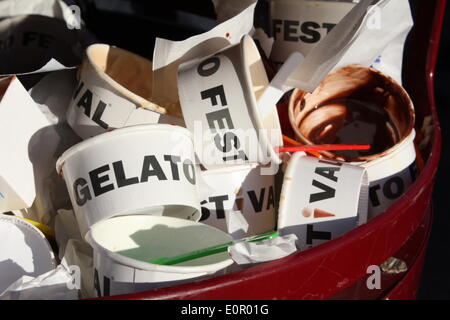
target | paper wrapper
[
  {"x": 24, "y": 251},
  {"x": 263, "y": 251},
  {"x": 51, "y": 96},
  {"x": 56, "y": 284},
  {"x": 168, "y": 55},
  {"x": 22, "y": 121}
]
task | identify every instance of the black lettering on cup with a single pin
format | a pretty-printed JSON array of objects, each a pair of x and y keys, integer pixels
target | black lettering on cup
[
  {"x": 205, "y": 211},
  {"x": 173, "y": 160},
  {"x": 257, "y": 203},
  {"x": 328, "y": 172},
  {"x": 150, "y": 168},
  {"x": 316, "y": 235},
  {"x": 122, "y": 180},
  {"x": 97, "y": 180},
  {"x": 189, "y": 171},
  {"x": 392, "y": 192},
  {"x": 86, "y": 102},
  {"x": 213, "y": 93},
  {"x": 327, "y": 192},
  {"x": 309, "y": 28},
  {"x": 219, "y": 205},
  {"x": 81, "y": 191},
  {"x": 208, "y": 67},
  {"x": 374, "y": 196},
  {"x": 97, "y": 117},
  {"x": 275, "y": 29},
  {"x": 220, "y": 119},
  {"x": 289, "y": 30}
]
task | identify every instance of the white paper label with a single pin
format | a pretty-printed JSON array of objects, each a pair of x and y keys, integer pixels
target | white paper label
[
  {"x": 298, "y": 25},
  {"x": 214, "y": 107},
  {"x": 321, "y": 199}
]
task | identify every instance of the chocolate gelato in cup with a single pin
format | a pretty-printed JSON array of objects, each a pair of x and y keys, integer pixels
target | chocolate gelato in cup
[
  {"x": 114, "y": 90},
  {"x": 360, "y": 105}
]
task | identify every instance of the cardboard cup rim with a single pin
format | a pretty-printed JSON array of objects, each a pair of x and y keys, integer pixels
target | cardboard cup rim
[
  {"x": 28, "y": 226},
  {"x": 304, "y": 140},
  {"x": 130, "y": 95},
  {"x": 145, "y": 266},
  {"x": 114, "y": 133},
  {"x": 253, "y": 105}
]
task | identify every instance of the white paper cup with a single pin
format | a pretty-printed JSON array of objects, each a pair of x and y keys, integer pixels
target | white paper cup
[
  {"x": 218, "y": 97},
  {"x": 146, "y": 169},
  {"x": 298, "y": 25},
  {"x": 122, "y": 245},
  {"x": 238, "y": 188},
  {"x": 380, "y": 113},
  {"x": 114, "y": 91},
  {"x": 24, "y": 251},
  {"x": 321, "y": 200}
]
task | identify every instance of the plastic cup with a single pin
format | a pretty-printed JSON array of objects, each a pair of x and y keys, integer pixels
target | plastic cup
[
  {"x": 122, "y": 245},
  {"x": 114, "y": 91},
  {"x": 146, "y": 169},
  {"x": 218, "y": 96}
]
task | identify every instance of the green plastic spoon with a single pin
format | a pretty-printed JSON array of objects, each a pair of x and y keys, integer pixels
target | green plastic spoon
[{"x": 196, "y": 254}]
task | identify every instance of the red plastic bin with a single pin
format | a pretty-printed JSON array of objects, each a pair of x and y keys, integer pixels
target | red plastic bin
[{"x": 338, "y": 268}]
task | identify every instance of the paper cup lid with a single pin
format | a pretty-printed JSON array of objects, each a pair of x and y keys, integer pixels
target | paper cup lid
[{"x": 24, "y": 251}]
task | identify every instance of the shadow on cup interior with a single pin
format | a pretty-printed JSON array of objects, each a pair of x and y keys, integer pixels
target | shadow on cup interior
[{"x": 353, "y": 105}]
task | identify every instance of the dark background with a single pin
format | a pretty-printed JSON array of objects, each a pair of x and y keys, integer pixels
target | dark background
[
  {"x": 436, "y": 275},
  {"x": 177, "y": 20}
]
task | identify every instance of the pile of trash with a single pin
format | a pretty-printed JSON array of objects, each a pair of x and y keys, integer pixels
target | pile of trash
[{"x": 231, "y": 148}]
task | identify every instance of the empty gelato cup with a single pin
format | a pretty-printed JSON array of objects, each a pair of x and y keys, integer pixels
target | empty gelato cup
[
  {"x": 321, "y": 199},
  {"x": 218, "y": 96},
  {"x": 238, "y": 188},
  {"x": 146, "y": 169},
  {"x": 122, "y": 245},
  {"x": 114, "y": 91},
  {"x": 360, "y": 105},
  {"x": 24, "y": 251}
]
